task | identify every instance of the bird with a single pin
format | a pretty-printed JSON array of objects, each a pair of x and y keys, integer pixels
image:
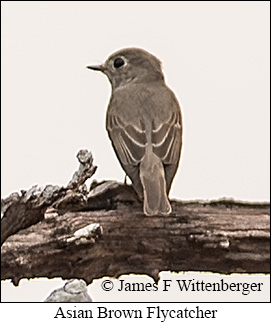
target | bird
[{"x": 144, "y": 123}]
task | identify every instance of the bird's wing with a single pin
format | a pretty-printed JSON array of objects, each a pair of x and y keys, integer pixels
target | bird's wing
[
  {"x": 167, "y": 139},
  {"x": 129, "y": 141}
]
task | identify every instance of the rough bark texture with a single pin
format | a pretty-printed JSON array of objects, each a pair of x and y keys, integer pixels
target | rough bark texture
[
  {"x": 23, "y": 210},
  {"x": 88, "y": 235}
]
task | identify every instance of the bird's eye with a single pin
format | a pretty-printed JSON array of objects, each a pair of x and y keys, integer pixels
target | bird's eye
[{"x": 118, "y": 62}]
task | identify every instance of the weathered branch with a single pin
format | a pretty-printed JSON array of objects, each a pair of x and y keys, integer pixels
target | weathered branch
[
  {"x": 28, "y": 208},
  {"x": 69, "y": 232},
  {"x": 220, "y": 236}
]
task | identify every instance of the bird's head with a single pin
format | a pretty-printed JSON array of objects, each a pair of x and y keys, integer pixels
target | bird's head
[{"x": 130, "y": 65}]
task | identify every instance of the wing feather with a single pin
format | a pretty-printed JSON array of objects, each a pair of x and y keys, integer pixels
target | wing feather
[
  {"x": 128, "y": 140},
  {"x": 166, "y": 140}
]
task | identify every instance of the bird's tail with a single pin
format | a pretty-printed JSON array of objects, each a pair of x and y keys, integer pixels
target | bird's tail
[{"x": 152, "y": 177}]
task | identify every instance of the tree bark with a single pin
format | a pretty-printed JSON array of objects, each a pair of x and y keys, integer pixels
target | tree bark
[
  {"x": 218, "y": 236},
  {"x": 103, "y": 232}
]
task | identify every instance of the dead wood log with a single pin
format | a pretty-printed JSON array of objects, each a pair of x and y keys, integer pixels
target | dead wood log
[
  {"x": 21, "y": 210},
  {"x": 117, "y": 238},
  {"x": 71, "y": 232}
]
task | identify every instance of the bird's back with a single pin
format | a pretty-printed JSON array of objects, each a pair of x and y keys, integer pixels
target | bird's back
[{"x": 152, "y": 104}]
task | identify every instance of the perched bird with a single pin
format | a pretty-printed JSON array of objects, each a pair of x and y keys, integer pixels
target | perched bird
[{"x": 144, "y": 124}]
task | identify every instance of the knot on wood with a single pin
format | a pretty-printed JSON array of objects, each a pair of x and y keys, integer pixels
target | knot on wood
[
  {"x": 210, "y": 240},
  {"x": 86, "y": 235}
]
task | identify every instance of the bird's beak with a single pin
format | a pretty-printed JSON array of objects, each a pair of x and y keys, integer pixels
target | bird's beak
[{"x": 100, "y": 68}]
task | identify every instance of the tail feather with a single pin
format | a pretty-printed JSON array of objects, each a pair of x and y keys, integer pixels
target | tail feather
[{"x": 152, "y": 177}]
